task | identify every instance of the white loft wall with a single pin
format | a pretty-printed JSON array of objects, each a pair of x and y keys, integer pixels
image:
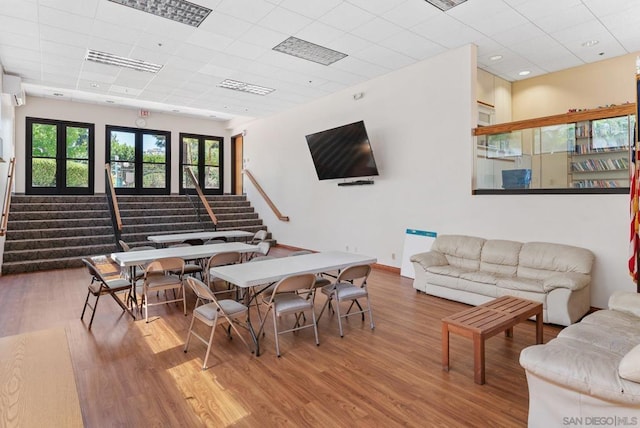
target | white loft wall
[
  {"x": 118, "y": 116},
  {"x": 419, "y": 121}
]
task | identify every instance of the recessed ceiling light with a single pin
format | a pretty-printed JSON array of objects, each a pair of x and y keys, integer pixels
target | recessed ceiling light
[
  {"x": 309, "y": 51},
  {"x": 590, "y": 43},
  {"x": 120, "y": 61},
  {"x": 524, "y": 73},
  {"x": 177, "y": 10},
  {"x": 445, "y": 5},
  {"x": 95, "y": 85},
  {"x": 245, "y": 87},
  {"x": 495, "y": 57}
]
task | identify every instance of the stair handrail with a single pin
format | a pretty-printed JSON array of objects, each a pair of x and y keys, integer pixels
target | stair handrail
[
  {"x": 275, "y": 209},
  {"x": 7, "y": 197},
  {"x": 113, "y": 203},
  {"x": 203, "y": 199}
]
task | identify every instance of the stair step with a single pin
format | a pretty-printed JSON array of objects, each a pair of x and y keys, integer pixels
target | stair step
[{"x": 53, "y": 232}]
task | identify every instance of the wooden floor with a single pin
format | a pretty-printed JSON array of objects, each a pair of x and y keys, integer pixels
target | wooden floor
[{"x": 129, "y": 373}]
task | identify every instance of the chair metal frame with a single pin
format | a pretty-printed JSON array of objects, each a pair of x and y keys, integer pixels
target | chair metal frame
[
  {"x": 285, "y": 300},
  {"x": 100, "y": 286},
  {"x": 161, "y": 275},
  {"x": 221, "y": 259},
  {"x": 345, "y": 289},
  {"x": 207, "y": 300}
]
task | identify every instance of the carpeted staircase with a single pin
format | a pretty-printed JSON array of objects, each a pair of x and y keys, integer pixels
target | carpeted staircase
[{"x": 54, "y": 232}]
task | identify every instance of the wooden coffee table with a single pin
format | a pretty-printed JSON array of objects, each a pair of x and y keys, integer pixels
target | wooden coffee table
[{"x": 487, "y": 320}]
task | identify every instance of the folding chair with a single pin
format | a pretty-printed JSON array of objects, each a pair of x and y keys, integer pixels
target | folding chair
[
  {"x": 220, "y": 259},
  {"x": 161, "y": 275},
  {"x": 285, "y": 300},
  {"x": 213, "y": 312},
  {"x": 99, "y": 286},
  {"x": 346, "y": 289}
]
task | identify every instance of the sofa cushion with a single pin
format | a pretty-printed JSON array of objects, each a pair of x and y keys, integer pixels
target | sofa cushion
[
  {"x": 500, "y": 256},
  {"x": 625, "y": 301},
  {"x": 482, "y": 277},
  {"x": 460, "y": 251},
  {"x": 570, "y": 280},
  {"x": 522, "y": 284},
  {"x": 616, "y": 340},
  {"x": 539, "y": 260},
  {"x": 629, "y": 367},
  {"x": 580, "y": 366},
  {"x": 613, "y": 320}
]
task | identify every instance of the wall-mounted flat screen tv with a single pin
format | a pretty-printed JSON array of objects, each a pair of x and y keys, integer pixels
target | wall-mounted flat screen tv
[{"x": 342, "y": 152}]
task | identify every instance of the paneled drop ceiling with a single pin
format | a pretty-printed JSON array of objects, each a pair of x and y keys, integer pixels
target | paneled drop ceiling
[{"x": 45, "y": 43}]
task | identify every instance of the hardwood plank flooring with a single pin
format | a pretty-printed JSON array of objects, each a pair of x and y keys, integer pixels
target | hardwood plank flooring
[{"x": 130, "y": 373}]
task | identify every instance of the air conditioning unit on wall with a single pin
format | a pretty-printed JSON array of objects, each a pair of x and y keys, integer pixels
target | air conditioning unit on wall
[{"x": 12, "y": 85}]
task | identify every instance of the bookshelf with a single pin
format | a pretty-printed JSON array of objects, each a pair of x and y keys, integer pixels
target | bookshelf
[{"x": 600, "y": 156}]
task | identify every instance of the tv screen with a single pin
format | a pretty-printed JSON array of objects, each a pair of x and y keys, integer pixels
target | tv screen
[{"x": 342, "y": 152}]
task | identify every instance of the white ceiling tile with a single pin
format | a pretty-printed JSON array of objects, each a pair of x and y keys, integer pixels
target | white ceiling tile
[
  {"x": 360, "y": 67},
  {"x": 247, "y": 10},
  {"x": 226, "y": 25},
  {"x": 285, "y": 21},
  {"x": 7, "y": 52},
  {"x": 447, "y": 31},
  {"x": 346, "y": 17},
  {"x": 412, "y": 45},
  {"x": 65, "y": 20},
  {"x": 520, "y": 34},
  {"x": 25, "y": 41},
  {"x": 18, "y": 26},
  {"x": 377, "y": 29},
  {"x": 110, "y": 46},
  {"x": 568, "y": 18},
  {"x": 319, "y": 33},
  {"x": 381, "y": 55},
  {"x": 123, "y": 16},
  {"x": 245, "y": 50},
  {"x": 311, "y": 8},
  {"x": 411, "y": 13},
  {"x": 87, "y": 8},
  {"x": 58, "y": 35},
  {"x": 535, "y": 10},
  {"x": 105, "y": 79},
  {"x": 209, "y": 40},
  {"x": 62, "y": 52},
  {"x": 378, "y": 7},
  {"x": 265, "y": 37},
  {"x": 109, "y": 31},
  {"x": 349, "y": 44},
  {"x": 21, "y": 9}
]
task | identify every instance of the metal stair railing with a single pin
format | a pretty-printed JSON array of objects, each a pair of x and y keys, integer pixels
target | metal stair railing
[{"x": 201, "y": 201}]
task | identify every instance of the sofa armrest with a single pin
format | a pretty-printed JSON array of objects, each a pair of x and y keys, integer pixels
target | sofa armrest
[
  {"x": 571, "y": 280},
  {"x": 430, "y": 258},
  {"x": 625, "y": 301}
]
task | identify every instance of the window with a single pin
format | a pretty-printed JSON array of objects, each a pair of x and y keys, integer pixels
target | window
[
  {"x": 202, "y": 154},
  {"x": 59, "y": 157},
  {"x": 140, "y": 160}
]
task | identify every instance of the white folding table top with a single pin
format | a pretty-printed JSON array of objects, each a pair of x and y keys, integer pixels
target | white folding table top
[
  {"x": 266, "y": 271},
  {"x": 181, "y": 237},
  {"x": 132, "y": 258}
]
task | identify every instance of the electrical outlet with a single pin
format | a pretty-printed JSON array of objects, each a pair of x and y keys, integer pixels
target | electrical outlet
[
  {"x": 346, "y": 248},
  {"x": 393, "y": 256}
]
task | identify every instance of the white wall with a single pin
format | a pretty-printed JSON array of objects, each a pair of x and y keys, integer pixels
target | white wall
[
  {"x": 419, "y": 121},
  {"x": 106, "y": 115}
]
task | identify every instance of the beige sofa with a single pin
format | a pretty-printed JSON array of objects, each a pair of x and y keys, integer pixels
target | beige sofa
[
  {"x": 475, "y": 270},
  {"x": 590, "y": 373}
]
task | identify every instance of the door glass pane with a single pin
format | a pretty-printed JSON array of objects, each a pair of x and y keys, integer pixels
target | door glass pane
[
  {"x": 77, "y": 143},
  {"x": 43, "y": 172},
  {"x": 154, "y": 148},
  {"x": 212, "y": 177},
  {"x": 153, "y": 176},
  {"x": 44, "y": 140},
  {"x": 124, "y": 174},
  {"x": 211, "y": 152},
  {"x": 190, "y": 151},
  {"x": 77, "y": 173},
  {"x": 187, "y": 182},
  {"x": 123, "y": 146}
]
